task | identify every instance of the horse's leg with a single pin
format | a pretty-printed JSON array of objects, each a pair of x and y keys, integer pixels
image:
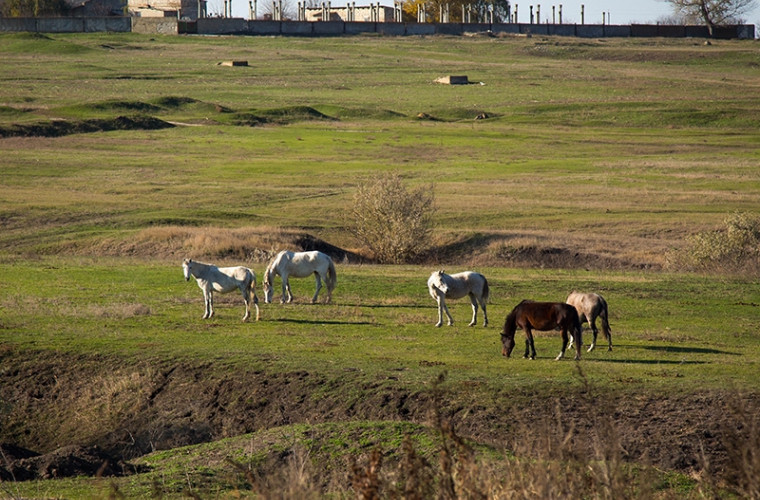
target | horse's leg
[
  {"x": 446, "y": 310},
  {"x": 530, "y": 346},
  {"x": 594, "y": 331},
  {"x": 319, "y": 287},
  {"x": 287, "y": 297},
  {"x": 474, "y": 302},
  {"x": 246, "y": 299},
  {"x": 439, "y": 303},
  {"x": 209, "y": 305},
  {"x": 564, "y": 344},
  {"x": 206, "y": 308}
]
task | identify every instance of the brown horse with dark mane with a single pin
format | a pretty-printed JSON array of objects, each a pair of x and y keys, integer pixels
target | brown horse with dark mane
[{"x": 530, "y": 315}]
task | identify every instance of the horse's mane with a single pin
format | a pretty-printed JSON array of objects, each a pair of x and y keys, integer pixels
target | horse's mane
[{"x": 510, "y": 324}]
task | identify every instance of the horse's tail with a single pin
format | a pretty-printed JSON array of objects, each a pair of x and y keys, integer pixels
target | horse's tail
[
  {"x": 332, "y": 278},
  {"x": 606, "y": 330},
  {"x": 486, "y": 291},
  {"x": 576, "y": 318}
]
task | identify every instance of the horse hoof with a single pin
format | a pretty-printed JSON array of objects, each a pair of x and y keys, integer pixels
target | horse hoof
[{"x": 438, "y": 325}]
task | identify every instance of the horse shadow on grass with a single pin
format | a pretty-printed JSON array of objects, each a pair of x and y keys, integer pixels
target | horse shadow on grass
[
  {"x": 670, "y": 350},
  {"x": 686, "y": 350},
  {"x": 319, "y": 322},
  {"x": 649, "y": 361}
]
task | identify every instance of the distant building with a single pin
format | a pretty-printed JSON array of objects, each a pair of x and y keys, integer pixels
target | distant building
[
  {"x": 94, "y": 8},
  {"x": 183, "y": 9},
  {"x": 364, "y": 14}
]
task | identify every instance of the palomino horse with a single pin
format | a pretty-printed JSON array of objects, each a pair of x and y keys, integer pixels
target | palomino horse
[
  {"x": 223, "y": 279},
  {"x": 543, "y": 316},
  {"x": 591, "y": 306},
  {"x": 444, "y": 286},
  {"x": 289, "y": 264}
]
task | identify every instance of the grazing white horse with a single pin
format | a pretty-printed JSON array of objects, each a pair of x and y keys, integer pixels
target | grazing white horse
[
  {"x": 591, "y": 306},
  {"x": 223, "y": 279},
  {"x": 289, "y": 264},
  {"x": 444, "y": 286}
]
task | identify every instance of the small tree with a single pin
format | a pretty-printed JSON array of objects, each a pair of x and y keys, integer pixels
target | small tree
[
  {"x": 712, "y": 13},
  {"x": 394, "y": 223}
]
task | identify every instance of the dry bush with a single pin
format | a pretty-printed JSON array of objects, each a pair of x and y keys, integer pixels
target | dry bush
[
  {"x": 733, "y": 248},
  {"x": 394, "y": 223}
]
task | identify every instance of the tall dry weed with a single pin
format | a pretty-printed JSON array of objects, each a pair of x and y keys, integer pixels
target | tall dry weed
[{"x": 733, "y": 248}]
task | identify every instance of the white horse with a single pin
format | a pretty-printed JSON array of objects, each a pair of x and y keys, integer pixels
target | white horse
[
  {"x": 443, "y": 286},
  {"x": 289, "y": 264},
  {"x": 591, "y": 306},
  {"x": 223, "y": 279}
]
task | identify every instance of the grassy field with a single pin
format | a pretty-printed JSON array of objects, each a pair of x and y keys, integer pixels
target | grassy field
[{"x": 595, "y": 157}]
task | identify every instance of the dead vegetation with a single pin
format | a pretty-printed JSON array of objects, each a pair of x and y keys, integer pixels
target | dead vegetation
[{"x": 579, "y": 444}]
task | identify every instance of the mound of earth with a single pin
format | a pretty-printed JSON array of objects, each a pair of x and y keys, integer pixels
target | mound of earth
[
  {"x": 60, "y": 128},
  {"x": 20, "y": 464}
]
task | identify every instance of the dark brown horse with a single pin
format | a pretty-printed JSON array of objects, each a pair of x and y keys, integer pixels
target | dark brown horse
[{"x": 530, "y": 315}]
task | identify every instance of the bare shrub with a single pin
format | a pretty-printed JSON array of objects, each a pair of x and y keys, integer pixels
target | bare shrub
[
  {"x": 393, "y": 222},
  {"x": 732, "y": 248}
]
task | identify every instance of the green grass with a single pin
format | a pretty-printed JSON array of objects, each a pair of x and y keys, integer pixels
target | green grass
[
  {"x": 614, "y": 148},
  {"x": 671, "y": 332}
]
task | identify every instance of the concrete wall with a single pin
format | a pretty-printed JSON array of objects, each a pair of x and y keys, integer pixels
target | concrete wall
[
  {"x": 239, "y": 26},
  {"x": 155, "y": 25},
  {"x": 65, "y": 24}
]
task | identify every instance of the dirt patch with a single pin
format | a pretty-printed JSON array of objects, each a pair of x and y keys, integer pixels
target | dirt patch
[
  {"x": 19, "y": 464},
  {"x": 52, "y": 401}
]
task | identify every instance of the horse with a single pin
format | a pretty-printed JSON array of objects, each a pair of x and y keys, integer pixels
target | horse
[
  {"x": 589, "y": 307},
  {"x": 223, "y": 280},
  {"x": 444, "y": 286},
  {"x": 299, "y": 265},
  {"x": 530, "y": 315}
]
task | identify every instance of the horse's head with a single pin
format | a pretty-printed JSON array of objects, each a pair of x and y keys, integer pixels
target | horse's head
[
  {"x": 436, "y": 280},
  {"x": 267, "y": 286},
  {"x": 187, "y": 265},
  {"x": 507, "y": 343}
]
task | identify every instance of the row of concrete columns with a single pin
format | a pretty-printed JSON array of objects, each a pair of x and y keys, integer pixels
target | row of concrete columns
[{"x": 468, "y": 13}]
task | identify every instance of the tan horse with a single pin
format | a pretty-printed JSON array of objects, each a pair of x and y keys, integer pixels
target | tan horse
[{"x": 589, "y": 307}]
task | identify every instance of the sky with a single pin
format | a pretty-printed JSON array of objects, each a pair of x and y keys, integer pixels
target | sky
[{"x": 619, "y": 11}]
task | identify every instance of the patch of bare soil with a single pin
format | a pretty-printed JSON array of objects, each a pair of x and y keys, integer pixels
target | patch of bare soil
[
  {"x": 50, "y": 405},
  {"x": 19, "y": 464}
]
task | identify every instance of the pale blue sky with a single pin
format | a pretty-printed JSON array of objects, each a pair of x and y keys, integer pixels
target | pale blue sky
[{"x": 620, "y": 11}]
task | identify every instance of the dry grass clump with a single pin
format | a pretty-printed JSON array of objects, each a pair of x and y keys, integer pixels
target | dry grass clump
[
  {"x": 253, "y": 244},
  {"x": 733, "y": 248}
]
